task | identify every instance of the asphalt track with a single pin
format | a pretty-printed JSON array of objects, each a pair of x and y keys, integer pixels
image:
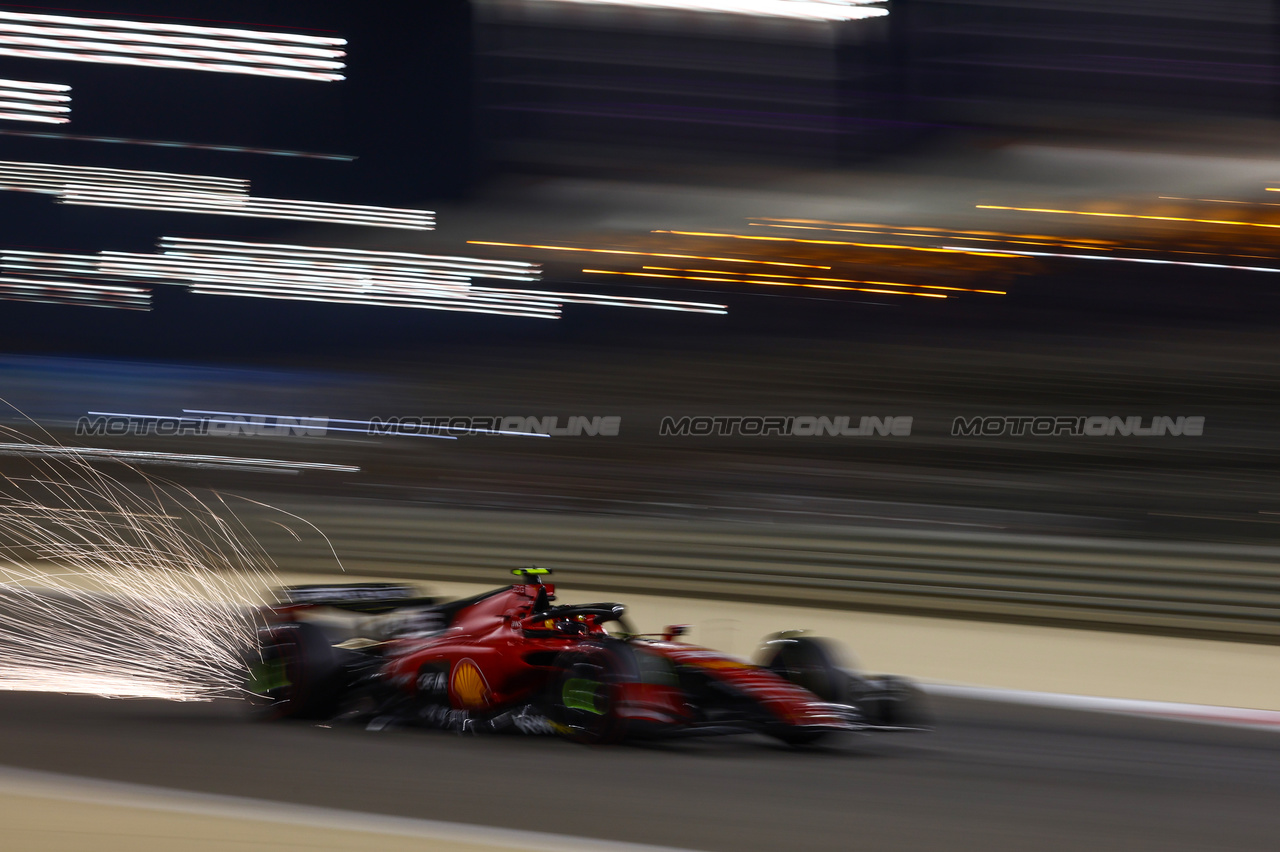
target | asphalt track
[{"x": 992, "y": 777}]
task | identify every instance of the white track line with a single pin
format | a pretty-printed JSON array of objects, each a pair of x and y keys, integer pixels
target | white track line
[
  {"x": 73, "y": 788},
  {"x": 1237, "y": 717}
]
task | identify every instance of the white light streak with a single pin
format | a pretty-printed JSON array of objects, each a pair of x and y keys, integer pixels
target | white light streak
[
  {"x": 55, "y": 179},
  {"x": 140, "y": 592},
  {"x": 333, "y": 275},
  {"x": 463, "y": 306},
  {"x": 633, "y": 302},
  {"x": 50, "y": 293},
  {"x": 813, "y": 10},
  {"x": 87, "y": 454},
  {"x": 215, "y": 49},
  {"x": 181, "y": 193},
  {"x": 44, "y": 103},
  {"x": 55, "y": 89},
  {"x": 313, "y": 273},
  {"x": 33, "y": 107},
  {"x": 27, "y": 116},
  {"x": 1151, "y": 260},
  {"x": 66, "y": 279},
  {"x": 185, "y": 29},
  {"x": 357, "y": 258},
  {"x": 249, "y": 207}
]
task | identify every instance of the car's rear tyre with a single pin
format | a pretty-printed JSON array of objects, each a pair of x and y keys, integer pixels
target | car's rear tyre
[
  {"x": 584, "y": 697},
  {"x": 294, "y": 673}
]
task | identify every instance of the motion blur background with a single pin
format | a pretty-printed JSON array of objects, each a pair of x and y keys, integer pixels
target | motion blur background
[
  {"x": 924, "y": 209},
  {"x": 930, "y": 209}
]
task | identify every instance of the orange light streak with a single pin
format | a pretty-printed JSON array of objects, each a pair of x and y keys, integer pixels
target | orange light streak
[
  {"x": 835, "y": 280},
  {"x": 1129, "y": 216},
  {"x": 1081, "y": 244},
  {"x": 649, "y": 254},
  {"x": 1220, "y": 200},
  {"x": 836, "y": 243},
  {"x": 926, "y": 228},
  {"x": 770, "y": 283}
]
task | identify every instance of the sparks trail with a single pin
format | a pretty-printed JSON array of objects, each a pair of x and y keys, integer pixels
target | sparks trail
[{"x": 119, "y": 590}]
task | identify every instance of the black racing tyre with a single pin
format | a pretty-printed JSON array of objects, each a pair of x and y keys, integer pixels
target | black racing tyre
[
  {"x": 294, "y": 674},
  {"x": 583, "y": 697},
  {"x": 809, "y": 663}
]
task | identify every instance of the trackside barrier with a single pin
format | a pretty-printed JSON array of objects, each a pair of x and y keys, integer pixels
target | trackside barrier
[{"x": 1204, "y": 590}]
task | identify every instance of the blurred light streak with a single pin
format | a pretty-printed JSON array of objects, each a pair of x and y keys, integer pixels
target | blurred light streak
[
  {"x": 155, "y": 143},
  {"x": 162, "y": 63},
  {"x": 1128, "y": 216},
  {"x": 515, "y": 270},
  {"x": 45, "y": 103},
  {"x": 1153, "y": 260},
  {"x": 54, "y": 179},
  {"x": 328, "y": 422},
  {"x": 60, "y": 279},
  {"x": 771, "y": 283},
  {"x": 323, "y": 274},
  {"x": 182, "y": 29},
  {"x": 198, "y": 48},
  {"x": 171, "y": 267},
  {"x": 27, "y": 116},
  {"x": 832, "y": 280},
  {"x": 637, "y": 302},
  {"x": 955, "y": 235},
  {"x": 176, "y": 459},
  {"x": 46, "y": 108},
  {"x": 536, "y": 304},
  {"x": 37, "y": 91},
  {"x": 833, "y": 243},
  {"x": 249, "y": 207},
  {"x": 316, "y": 273},
  {"x": 1220, "y": 200},
  {"x": 367, "y": 424},
  {"x": 464, "y": 303},
  {"x": 929, "y": 230},
  {"x": 811, "y": 10},
  {"x": 649, "y": 254},
  {"x": 84, "y": 295}
]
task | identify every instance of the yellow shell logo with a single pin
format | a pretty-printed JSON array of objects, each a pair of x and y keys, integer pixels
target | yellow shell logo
[
  {"x": 721, "y": 664},
  {"x": 469, "y": 686}
]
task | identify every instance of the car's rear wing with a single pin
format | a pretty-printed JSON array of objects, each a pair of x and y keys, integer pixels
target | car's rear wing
[{"x": 361, "y": 597}]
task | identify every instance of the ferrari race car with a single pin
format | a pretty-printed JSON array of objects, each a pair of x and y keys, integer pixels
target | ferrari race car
[{"x": 510, "y": 660}]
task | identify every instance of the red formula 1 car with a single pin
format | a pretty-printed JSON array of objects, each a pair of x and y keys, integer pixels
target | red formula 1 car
[{"x": 511, "y": 660}]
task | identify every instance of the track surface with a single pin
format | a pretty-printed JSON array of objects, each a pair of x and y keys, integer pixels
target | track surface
[{"x": 993, "y": 777}]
